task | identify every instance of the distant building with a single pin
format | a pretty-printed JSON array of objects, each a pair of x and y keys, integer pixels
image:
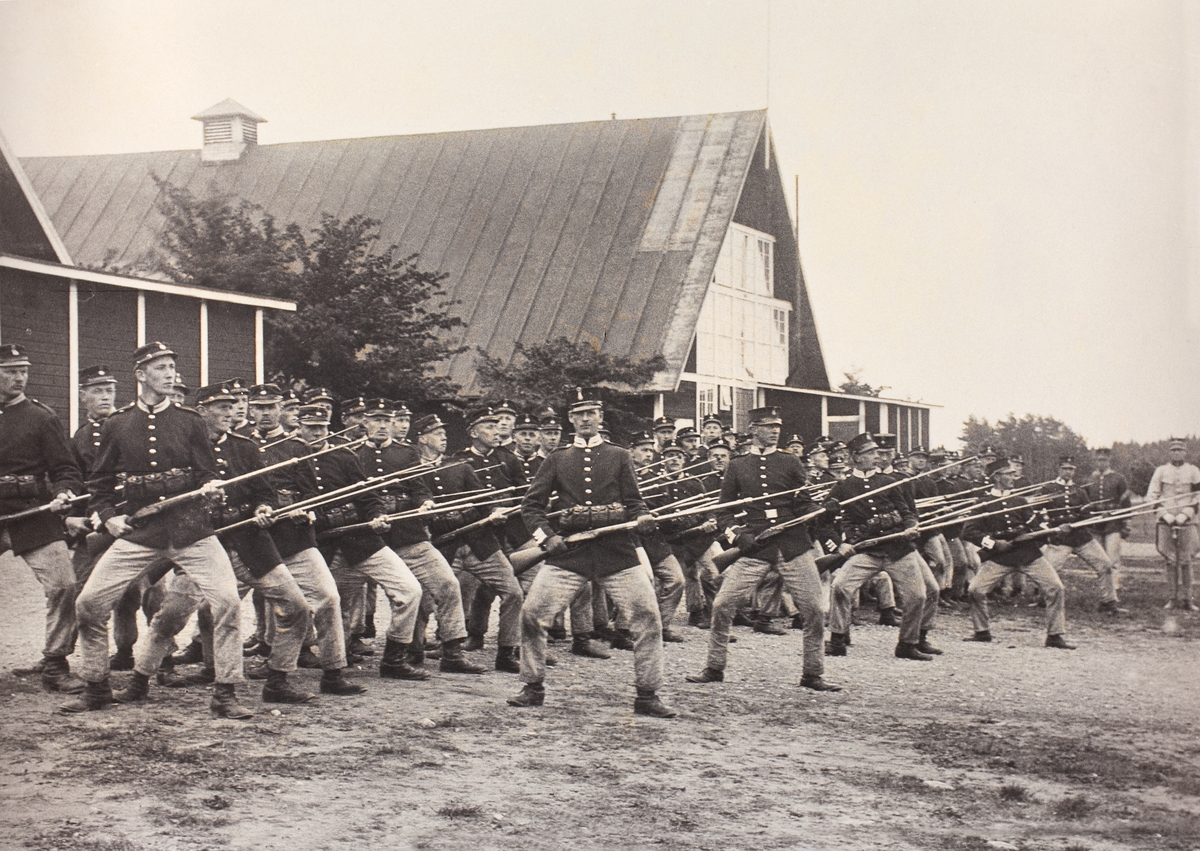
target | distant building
[
  {"x": 662, "y": 236},
  {"x": 69, "y": 317}
]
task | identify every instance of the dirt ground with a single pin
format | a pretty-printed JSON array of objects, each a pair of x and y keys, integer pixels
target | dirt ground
[{"x": 1006, "y": 746}]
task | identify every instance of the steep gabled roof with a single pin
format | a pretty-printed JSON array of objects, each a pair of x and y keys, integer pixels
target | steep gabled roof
[
  {"x": 25, "y": 228},
  {"x": 604, "y": 232}
]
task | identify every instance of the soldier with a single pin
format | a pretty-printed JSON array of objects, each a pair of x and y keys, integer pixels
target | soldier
[
  {"x": 320, "y": 396},
  {"x": 777, "y": 477},
  {"x": 711, "y": 429},
  {"x": 241, "y": 408},
  {"x": 266, "y": 405},
  {"x": 355, "y": 556},
  {"x": 38, "y": 472},
  {"x": 289, "y": 413},
  {"x": 257, "y": 564},
  {"x": 668, "y": 574},
  {"x": 999, "y": 536},
  {"x": 477, "y": 552},
  {"x": 795, "y": 445},
  {"x": 401, "y": 423},
  {"x": 1176, "y": 535},
  {"x": 596, "y": 487},
  {"x": 1018, "y": 465},
  {"x": 689, "y": 539},
  {"x": 1071, "y": 504},
  {"x": 888, "y": 513},
  {"x": 179, "y": 393},
  {"x": 157, "y": 449},
  {"x": 506, "y": 414},
  {"x": 382, "y": 455},
  {"x": 1108, "y": 489},
  {"x": 932, "y": 544},
  {"x": 550, "y": 434},
  {"x": 97, "y": 395},
  {"x": 353, "y": 414},
  {"x": 664, "y": 435}
]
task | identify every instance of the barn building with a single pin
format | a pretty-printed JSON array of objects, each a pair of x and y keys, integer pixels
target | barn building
[
  {"x": 69, "y": 317},
  {"x": 652, "y": 236}
]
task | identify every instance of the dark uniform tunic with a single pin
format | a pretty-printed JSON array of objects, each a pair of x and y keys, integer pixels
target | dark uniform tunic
[
  {"x": 591, "y": 475},
  {"x": 236, "y": 456},
  {"x": 37, "y": 465},
  {"x": 885, "y": 513},
  {"x": 445, "y": 480},
  {"x": 330, "y": 472},
  {"x": 1069, "y": 505},
  {"x": 392, "y": 457},
  {"x": 85, "y": 443},
  {"x": 1015, "y": 521},
  {"x": 497, "y": 470},
  {"x": 769, "y": 473},
  {"x": 1108, "y": 490},
  {"x": 168, "y": 450}
]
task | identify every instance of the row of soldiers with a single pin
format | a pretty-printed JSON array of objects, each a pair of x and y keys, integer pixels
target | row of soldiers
[{"x": 205, "y": 503}]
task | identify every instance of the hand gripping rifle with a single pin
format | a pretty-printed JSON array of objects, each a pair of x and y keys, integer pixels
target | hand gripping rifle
[
  {"x": 156, "y": 508},
  {"x": 42, "y": 509},
  {"x": 444, "y": 508},
  {"x": 723, "y": 560}
]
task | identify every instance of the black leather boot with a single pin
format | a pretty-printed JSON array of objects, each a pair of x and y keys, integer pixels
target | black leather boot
[
  {"x": 334, "y": 681},
  {"x": 279, "y": 690},
  {"x": 454, "y": 661},
  {"x": 224, "y": 703},
  {"x": 57, "y": 676},
  {"x": 137, "y": 690},
  {"x": 533, "y": 694},
  {"x": 95, "y": 696},
  {"x": 925, "y": 647},
  {"x": 648, "y": 703},
  {"x": 508, "y": 659},
  {"x": 395, "y": 664}
]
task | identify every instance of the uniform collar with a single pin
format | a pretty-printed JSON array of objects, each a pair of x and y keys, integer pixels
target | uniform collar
[
  {"x": 275, "y": 432},
  {"x": 594, "y": 440},
  {"x": 383, "y": 445},
  {"x": 433, "y": 462},
  {"x": 998, "y": 492},
  {"x": 20, "y": 397},
  {"x": 159, "y": 408},
  {"x": 860, "y": 474},
  {"x": 758, "y": 450},
  {"x": 221, "y": 439},
  {"x": 480, "y": 454}
]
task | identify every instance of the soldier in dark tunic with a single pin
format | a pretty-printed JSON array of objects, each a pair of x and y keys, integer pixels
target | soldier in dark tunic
[
  {"x": 157, "y": 449},
  {"x": 596, "y": 487},
  {"x": 37, "y": 469}
]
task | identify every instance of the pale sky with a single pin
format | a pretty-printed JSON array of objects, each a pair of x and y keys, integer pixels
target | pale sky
[{"x": 998, "y": 200}]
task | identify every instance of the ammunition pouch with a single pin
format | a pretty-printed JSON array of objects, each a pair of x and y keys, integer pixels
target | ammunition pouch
[
  {"x": 581, "y": 518},
  {"x": 151, "y": 486},
  {"x": 342, "y": 515},
  {"x": 23, "y": 487},
  {"x": 285, "y": 497},
  {"x": 394, "y": 502},
  {"x": 444, "y": 524},
  {"x": 224, "y": 515}
]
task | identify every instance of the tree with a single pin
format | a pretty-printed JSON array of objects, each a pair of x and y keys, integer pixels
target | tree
[
  {"x": 856, "y": 386},
  {"x": 367, "y": 321},
  {"x": 544, "y": 374},
  {"x": 1041, "y": 441}
]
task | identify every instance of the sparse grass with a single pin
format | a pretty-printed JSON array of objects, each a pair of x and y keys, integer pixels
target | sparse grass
[
  {"x": 1015, "y": 793},
  {"x": 1074, "y": 807},
  {"x": 460, "y": 811},
  {"x": 1077, "y": 846}
]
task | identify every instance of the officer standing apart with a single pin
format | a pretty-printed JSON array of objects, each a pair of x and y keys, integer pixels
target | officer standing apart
[
  {"x": 1176, "y": 535},
  {"x": 763, "y": 471},
  {"x": 158, "y": 449},
  {"x": 598, "y": 481},
  {"x": 32, "y": 450}
]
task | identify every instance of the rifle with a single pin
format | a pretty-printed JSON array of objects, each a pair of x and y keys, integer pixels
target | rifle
[
  {"x": 985, "y": 555},
  {"x": 41, "y": 509},
  {"x": 156, "y": 508},
  {"x": 723, "y": 560},
  {"x": 288, "y": 437},
  {"x": 441, "y": 509}
]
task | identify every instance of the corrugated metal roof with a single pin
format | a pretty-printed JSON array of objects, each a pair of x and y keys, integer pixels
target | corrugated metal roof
[{"x": 605, "y": 232}]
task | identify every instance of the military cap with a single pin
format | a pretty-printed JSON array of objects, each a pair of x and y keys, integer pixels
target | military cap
[
  {"x": 937, "y": 456},
  {"x": 837, "y": 446},
  {"x": 239, "y": 386},
  {"x": 265, "y": 394},
  {"x": 862, "y": 443},
  {"x": 686, "y": 431},
  {"x": 378, "y": 408},
  {"x": 525, "y": 422},
  {"x": 673, "y": 449},
  {"x": 219, "y": 392},
  {"x": 92, "y": 375},
  {"x": 664, "y": 423},
  {"x": 317, "y": 394},
  {"x": 428, "y": 423},
  {"x": 354, "y": 406},
  {"x": 718, "y": 444},
  {"x": 918, "y": 450},
  {"x": 1176, "y": 443},
  {"x": 180, "y": 387},
  {"x": 794, "y": 440},
  {"x": 988, "y": 452},
  {"x": 743, "y": 438},
  {"x": 400, "y": 408},
  {"x": 550, "y": 424},
  {"x": 506, "y": 407},
  {"x": 290, "y": 399},
  {"x": 885, "y": 441},
  {"x": 582, "y": 400},
  {"x": 313, "y": 415},
  {"x": 642, "y": 438},
  {"x": 151, "y": 351},
  {"x": 999, "y": 465},
  {"x": 765, "y": 416},
  {"x": 1066, "y": 461},
  {"x": 13, "y": 355},
  {"x": 1015, "y": 459},
  {"x": 712, "y": 419},
  {"x": 821, "y": 448},
  {"x": 483, "y": 415}
]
